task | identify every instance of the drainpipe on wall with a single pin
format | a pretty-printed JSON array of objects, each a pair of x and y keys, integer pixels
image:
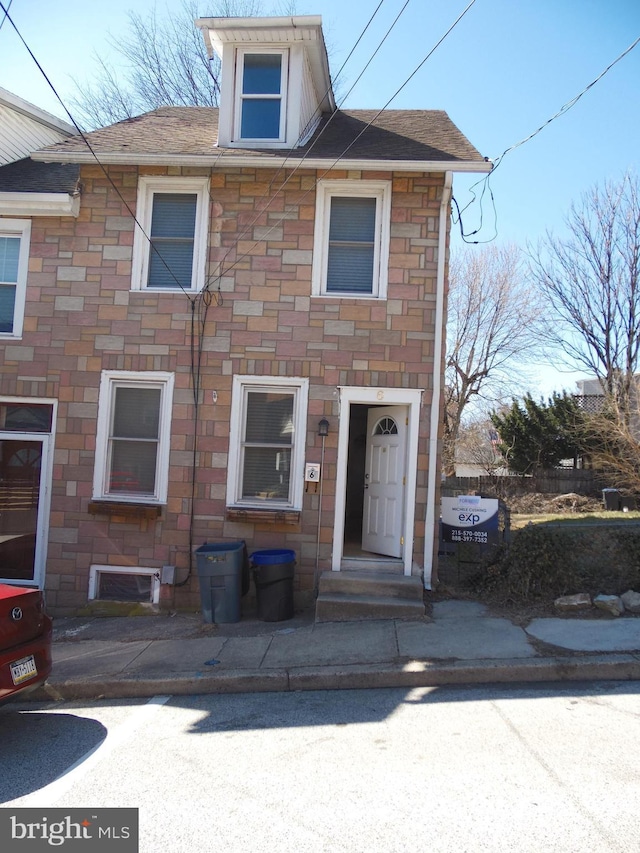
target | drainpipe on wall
[{"x": 438, "y": 356}]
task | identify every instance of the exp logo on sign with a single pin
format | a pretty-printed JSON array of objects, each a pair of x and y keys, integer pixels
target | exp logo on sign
[{"x": 35, "y": 830}]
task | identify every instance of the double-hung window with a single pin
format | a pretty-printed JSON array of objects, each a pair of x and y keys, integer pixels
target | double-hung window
[
  {"x": 261, "y": 95},
  {"x": 351, "y": 244},
  {"x": 134, "y": 426},
  {"x": 266, "y": 454},
  {"x": 169, "y": 250},
  {"x": 14, "y": 260}
]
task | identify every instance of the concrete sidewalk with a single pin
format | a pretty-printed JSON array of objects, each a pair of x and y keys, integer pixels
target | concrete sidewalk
[{"x": 460, "y": 644}]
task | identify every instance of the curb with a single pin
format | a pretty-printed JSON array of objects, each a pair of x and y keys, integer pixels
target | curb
[{"x": 414, "y": 673}]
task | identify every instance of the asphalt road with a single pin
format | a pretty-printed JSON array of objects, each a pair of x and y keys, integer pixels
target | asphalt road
[{"x": 435, "y": 769}]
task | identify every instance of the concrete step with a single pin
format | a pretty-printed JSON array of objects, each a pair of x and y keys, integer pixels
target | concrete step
[
  {"x": 361, "y": 564},
  {"x": 348, "y": 595},
  {"x": 344, "y": 608},
  {"x": 370, "y": 584}
]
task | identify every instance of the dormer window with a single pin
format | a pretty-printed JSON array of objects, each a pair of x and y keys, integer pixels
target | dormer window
[
  {"x": 260, "y": 106},
  {"x": 275, "y": 85}
]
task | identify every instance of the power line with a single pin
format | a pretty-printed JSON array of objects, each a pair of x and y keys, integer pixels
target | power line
[
  {"x": 486, "y": 181},
  {"x": 300, "y": 162},
  {"x": 93, "y": 153},
  {"x": 566, "y": 107},
  {"x": 6, "y": 14},
  {"x": 353, "y": 142}
]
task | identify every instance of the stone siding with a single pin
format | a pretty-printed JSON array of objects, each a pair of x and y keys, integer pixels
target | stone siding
[{"x": 82, "y": 318}]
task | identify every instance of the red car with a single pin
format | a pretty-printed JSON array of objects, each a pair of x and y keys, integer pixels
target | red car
[{"x": 25, "y": 641}]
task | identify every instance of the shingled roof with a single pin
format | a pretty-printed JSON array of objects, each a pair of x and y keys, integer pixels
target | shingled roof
[
  {"x": 25, "y": 176},
  {"x": 189, "y": 135}
]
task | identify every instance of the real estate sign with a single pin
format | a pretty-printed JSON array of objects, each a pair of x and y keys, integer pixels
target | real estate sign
[{"x": 469, "y": 518}]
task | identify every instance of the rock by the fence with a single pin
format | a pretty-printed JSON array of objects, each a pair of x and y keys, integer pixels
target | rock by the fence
[
  {"x": 570, "y": 501},
  {"x": 611, "y": 604},
  {"x": 631, "y": 601},
  {"x": 567, "y": 603}
]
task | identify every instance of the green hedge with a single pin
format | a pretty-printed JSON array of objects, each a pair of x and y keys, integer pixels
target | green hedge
[{"x": 547, "y": 560}]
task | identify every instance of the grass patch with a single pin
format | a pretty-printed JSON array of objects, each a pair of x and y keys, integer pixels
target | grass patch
[{"x": 518, "y": 521}]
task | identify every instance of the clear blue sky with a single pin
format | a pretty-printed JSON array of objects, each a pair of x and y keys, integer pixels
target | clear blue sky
[{"x": 506, "y": 68}]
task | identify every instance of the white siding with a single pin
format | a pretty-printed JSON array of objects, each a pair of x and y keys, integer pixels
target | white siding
[
  {"x": 20, "y": 135},
  {"x": 309, "y": 112}
]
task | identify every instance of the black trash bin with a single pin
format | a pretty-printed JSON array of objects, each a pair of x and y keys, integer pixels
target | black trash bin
[
  {"x": 273, "y": 576},
  {"x": 223, "y": 572},
  {"x": 611, "y": 499}
]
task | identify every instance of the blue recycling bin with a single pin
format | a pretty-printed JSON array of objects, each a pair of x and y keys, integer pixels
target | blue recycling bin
[
  {"x": 223, "y": 572},
  {"x": 273, "y": 576}
]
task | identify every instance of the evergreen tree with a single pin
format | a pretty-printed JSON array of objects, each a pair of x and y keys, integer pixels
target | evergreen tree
[{"x": 535, "y": 436}]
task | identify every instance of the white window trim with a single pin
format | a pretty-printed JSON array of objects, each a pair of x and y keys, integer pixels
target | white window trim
[
  {"x": 282, "y": 97},
  {"x": 241, "y": 385},
  {"x": 110, "y": 380},
  {"x": 147, "y": 187},
  {"x": 326, "y": 190},
  {"x": 96, "y": 570},
  {"x": 22, "y": 229}
]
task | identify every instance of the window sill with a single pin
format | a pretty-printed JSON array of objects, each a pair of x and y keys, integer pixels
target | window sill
[
  {"x": 263, "y": 516},
  {"x": 133, "y": 510},
  {"x": 160, "y": 290},
  {"x": 370, "y": 297}
]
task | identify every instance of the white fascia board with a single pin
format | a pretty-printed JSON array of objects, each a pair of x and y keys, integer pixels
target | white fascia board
[
  {"x": 39, "y": 204},
  {"x": 227, "y": 158},
  {"x": 217, "y": 32},
  {"x": 48, "y": 119}
]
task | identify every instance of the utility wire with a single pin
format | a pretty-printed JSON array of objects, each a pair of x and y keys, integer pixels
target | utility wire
[
  {"x": 6, "y": 14},
  {"x": 566, "y": 107},
  {"x": 199, "y": 305},
  {"x": 308, "y": 125},
  {"x": 330, "y": 168},
  {"x": 498, "y": 160},
  {"x": 307, "y": 153},
  {"x": 93, "y": 153}
]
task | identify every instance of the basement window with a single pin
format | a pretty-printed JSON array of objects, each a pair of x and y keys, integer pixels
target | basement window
[{"x": 124, "y": 583}]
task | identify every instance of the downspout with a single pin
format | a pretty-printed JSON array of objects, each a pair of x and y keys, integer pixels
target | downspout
[{"x": 438, "y": 355}]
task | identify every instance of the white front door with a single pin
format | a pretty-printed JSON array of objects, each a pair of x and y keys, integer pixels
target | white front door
[{"x": 384, "y": 486}]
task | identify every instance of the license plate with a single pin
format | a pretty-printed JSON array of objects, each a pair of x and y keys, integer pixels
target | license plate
[{"x": 23, "y": 670}]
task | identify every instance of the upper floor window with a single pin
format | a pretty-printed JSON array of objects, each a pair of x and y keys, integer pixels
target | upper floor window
[
  {"x": 351, "y": 245},
  {"x": 15, "y": 236},
  {"x": 132, "y": 445},
  {"x": 169, "y": 249},
  {"x": 260, "y": 103}
]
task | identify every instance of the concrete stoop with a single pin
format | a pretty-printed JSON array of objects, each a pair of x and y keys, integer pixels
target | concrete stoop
[{"x": 347, "y": 595}]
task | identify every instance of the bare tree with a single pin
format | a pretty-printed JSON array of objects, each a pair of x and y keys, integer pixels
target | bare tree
[
  {"x": 164, "y": 63},
  {"x": 493, "y": 324},
  {"x": 591, "y": 282},
  {"x": 613, "y": 444},
  {"x": 477, "y": 446}
]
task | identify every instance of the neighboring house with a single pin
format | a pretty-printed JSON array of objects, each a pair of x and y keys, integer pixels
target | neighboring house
[
  {"x": 31, "y": 196},
  {"x": 288, "y": 261},
  {"x": 590, "y": 396}
]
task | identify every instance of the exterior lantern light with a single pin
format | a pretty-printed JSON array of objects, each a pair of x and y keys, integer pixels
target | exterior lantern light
[{"x": 323, "y": 428}]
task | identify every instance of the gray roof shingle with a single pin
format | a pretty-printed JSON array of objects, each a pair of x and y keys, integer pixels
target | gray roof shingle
[
  {"x": 400, "y": 135},
  {"x": 26, "y": 176}
]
